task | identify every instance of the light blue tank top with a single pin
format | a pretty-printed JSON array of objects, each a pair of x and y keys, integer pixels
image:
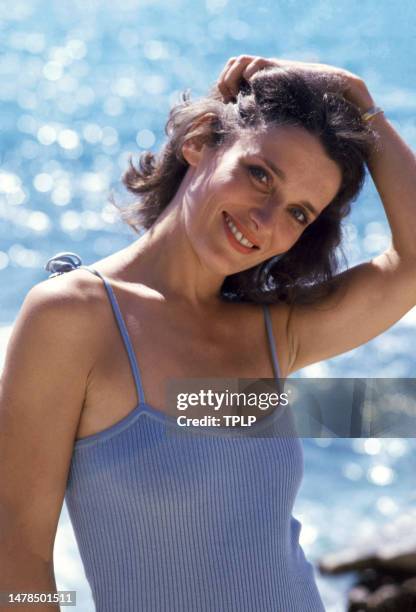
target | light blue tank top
[{"x": 190, "y": 523}]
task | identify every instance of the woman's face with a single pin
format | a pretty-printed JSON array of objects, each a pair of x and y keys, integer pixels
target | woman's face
[{"x": 265, "y": 188}]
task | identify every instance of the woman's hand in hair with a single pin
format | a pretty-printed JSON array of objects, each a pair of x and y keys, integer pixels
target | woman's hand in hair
[
  {"x": 237, "y": 68},
  {"x": 350, "y": 85}
]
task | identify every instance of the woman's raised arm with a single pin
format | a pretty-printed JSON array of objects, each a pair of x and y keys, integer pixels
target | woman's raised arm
[{"x": 375, "y": 294}]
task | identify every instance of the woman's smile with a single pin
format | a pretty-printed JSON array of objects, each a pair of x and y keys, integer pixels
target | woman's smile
[{"x": 236, "y": 238}]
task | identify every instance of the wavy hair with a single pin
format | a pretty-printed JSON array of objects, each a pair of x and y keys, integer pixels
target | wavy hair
[{"x": 273, "y": 97}]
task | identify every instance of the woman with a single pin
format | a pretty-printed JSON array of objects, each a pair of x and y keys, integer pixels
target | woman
[{"x": 243, "y": 207}]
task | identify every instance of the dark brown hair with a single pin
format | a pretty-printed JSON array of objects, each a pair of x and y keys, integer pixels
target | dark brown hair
[{"x": 273, "y": 97}]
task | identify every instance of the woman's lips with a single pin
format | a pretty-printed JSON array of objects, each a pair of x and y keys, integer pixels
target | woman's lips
[
  {"x": 244, "y": 230},
  {"x": 233, "y": 240}
]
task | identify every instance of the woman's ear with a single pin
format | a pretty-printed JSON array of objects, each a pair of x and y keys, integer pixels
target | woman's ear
[
  {"x": 192, "y": 148},
  {"x": 192, "y": 151}
]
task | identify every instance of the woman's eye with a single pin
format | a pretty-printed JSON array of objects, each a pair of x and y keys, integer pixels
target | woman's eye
[
  {"x": 302, "y": 218},
  {"x": 263, "y": 177},
  {"x": 259, "y": 174}
]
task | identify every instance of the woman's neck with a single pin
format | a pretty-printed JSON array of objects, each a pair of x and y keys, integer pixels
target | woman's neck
[{"x": 164, "y": 260}]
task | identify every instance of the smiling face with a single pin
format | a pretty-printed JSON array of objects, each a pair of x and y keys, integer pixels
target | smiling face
[{"x": 262, "y": 190}]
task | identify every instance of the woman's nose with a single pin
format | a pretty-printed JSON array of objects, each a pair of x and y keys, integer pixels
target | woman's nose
[{"x": 264, "y": 216}]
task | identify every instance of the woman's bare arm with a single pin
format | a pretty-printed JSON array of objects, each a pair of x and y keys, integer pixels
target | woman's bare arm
[
  {"x": 392, "y": 166},
  {"x": 49, "y": 356},
  {"x": 376, "y": 294},
  {"x": 372, "y": 297}
]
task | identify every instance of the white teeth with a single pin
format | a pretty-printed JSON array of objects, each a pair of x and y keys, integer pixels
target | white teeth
[{"x": 238, "y": 235}]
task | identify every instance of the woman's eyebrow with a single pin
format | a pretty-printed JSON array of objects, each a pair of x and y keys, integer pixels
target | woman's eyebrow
[
  {"x": 273, "y": 167},
  {"x": 279, "y": 172}
]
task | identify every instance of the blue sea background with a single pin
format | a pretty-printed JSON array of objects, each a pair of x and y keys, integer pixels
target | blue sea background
[{"x": 84, "y": 83}]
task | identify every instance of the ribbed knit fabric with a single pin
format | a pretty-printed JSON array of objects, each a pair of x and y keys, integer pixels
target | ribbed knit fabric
[{"x": 189, "y": 523}]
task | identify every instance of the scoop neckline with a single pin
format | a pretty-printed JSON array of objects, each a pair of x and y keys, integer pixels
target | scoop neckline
[{"x": 146, "y": 409}]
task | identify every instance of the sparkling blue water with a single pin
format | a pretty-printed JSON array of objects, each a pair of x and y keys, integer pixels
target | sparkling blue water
[{"x": 86, "y": 82}]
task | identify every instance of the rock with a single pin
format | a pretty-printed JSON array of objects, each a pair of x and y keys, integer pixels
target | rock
[
  {"x": 357, "y": 598},
  {"x": 385, "y": 564}
]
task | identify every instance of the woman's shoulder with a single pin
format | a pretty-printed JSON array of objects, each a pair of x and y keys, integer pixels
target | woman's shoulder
[
  {"x": 71, "y": 278},
  {"x": 67, "y": 306},
  {"x": 74, "y": 288},
  {"x": 70, "y": 294}
]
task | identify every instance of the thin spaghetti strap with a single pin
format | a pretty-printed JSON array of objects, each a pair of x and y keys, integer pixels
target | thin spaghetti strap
[
  {"x": 271, "y": 340},
  {"x": 64, "y": 262},
  {"x": 124, "y": 333}
]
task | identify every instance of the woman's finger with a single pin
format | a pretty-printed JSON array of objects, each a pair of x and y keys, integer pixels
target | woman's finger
[
  {"x": 220, "y": 81},
  {"x": 258, "y": 64},
  {"x": 234, "y": 74}
]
